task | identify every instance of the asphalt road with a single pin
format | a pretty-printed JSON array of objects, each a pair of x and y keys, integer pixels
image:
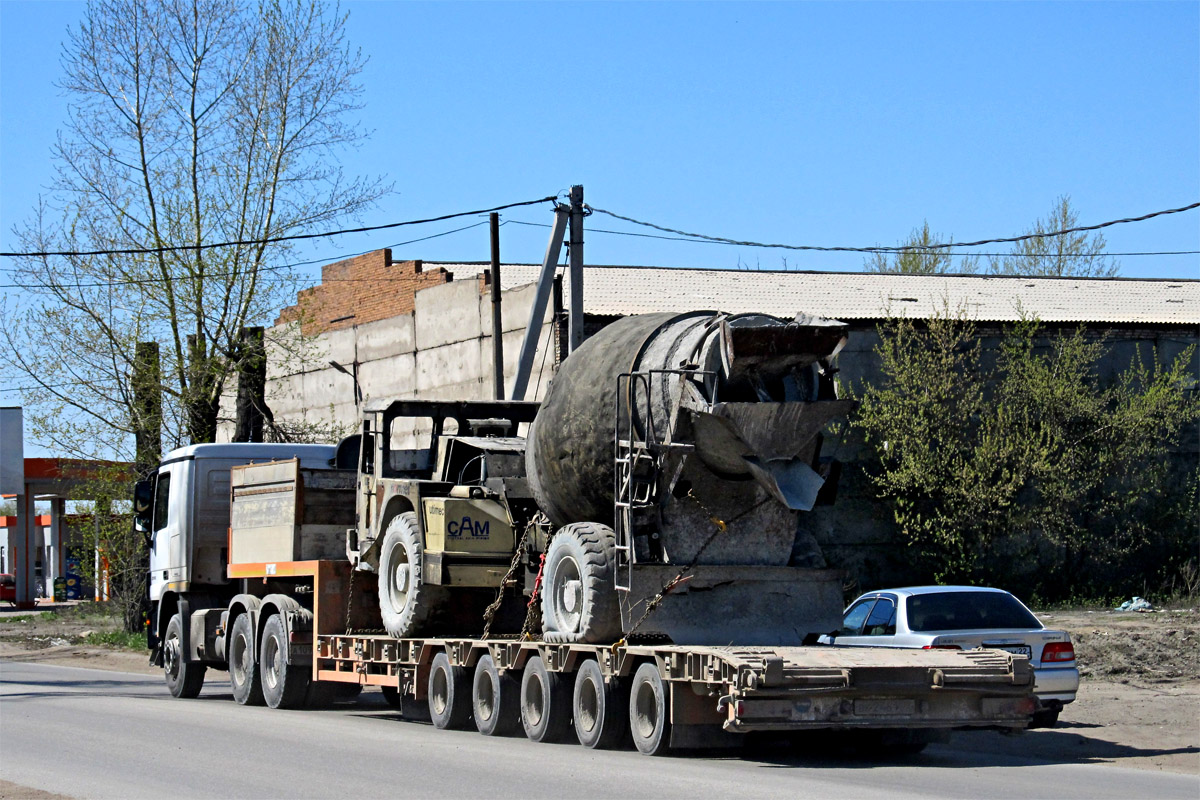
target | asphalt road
[{"x": 93, "y": 734}]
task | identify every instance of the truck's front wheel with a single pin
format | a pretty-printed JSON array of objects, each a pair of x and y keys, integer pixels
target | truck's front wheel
[
  {"x": 579, "y": 601},
  {"x": 406, "y": 602},
  {"x": 184, "y": 678}
]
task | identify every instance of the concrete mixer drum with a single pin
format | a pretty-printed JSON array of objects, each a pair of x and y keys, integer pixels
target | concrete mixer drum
[{"x": 660, "y": 427}]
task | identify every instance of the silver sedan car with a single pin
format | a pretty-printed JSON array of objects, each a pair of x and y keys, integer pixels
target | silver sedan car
[{"x": 965, "y": 618}]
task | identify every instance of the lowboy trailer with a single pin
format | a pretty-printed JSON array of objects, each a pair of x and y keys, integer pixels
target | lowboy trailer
[
  {"x": 657, "y": 696},
  {"x": 626, "y": 558}
]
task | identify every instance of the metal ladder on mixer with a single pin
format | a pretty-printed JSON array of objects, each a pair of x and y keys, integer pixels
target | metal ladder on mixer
[{"x": 638, "y": 460}]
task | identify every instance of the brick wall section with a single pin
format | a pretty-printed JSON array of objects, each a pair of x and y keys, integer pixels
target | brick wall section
[{"x": 358, "y": 290}]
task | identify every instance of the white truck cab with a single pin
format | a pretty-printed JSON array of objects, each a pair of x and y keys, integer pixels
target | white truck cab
[{"x": 184, "y": 512}]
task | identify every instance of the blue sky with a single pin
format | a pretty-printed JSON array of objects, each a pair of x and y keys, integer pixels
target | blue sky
[{"x": 806, "y": 123}]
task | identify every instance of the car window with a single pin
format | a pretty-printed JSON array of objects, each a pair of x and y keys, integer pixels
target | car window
[
  {"x": 882, "y": 619},
  {"x": 853, "y": 621},
  {"x": 162, "y": 497},
  {"x": 961, "y": 611}
]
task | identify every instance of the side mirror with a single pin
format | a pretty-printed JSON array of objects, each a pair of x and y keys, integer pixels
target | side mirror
[{"x": 143, "y": 501}]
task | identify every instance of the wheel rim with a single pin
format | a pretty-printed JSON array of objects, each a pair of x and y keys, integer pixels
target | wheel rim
[
  {"x": 272, "y": 658},
  {"x": 171, "y": 660},
  {"x": 645, "y": 710},
  {"x": 239, "y": 666},
  {"x": 439, "y": 692},
  {"x": 485, "y": 704},
  {"x": 568, "y": 595},
  {"x": 588, "y": 712},
  {"x": 400, "y": 579},
  {"x": 534, "y": 699}
]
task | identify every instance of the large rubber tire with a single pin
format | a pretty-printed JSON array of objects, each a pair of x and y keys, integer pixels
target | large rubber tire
[
  {"x": 406, "y": 602},
  {"x": 449, "y": 694},
  {"x": 649, "y": 713},
  {"x": 184, "y": 678},
  {"x": 284, "y": 685},
  {"x": 1045, "y": 718},
  {"x": 600, "y": 709},
  {"x": 495, "y": 700},
  {"x": 393, "y": 697},
  {"x": 545, "y": 703},
  {"x": 579, "y": 598},
  {"x": 243, "y": 663}
]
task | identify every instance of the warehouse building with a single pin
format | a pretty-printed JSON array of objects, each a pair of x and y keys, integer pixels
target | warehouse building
[{"x": 377, "y": 328}]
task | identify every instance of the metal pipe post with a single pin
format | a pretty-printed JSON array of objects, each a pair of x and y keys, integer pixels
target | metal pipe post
[
  {"x": 575, "y": 308},
  {"x": 533, "y": 330},
  {"x": 497, "y": 321}
]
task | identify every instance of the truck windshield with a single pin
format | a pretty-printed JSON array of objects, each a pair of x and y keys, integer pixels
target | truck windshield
[{"x": 960, "y": 611}]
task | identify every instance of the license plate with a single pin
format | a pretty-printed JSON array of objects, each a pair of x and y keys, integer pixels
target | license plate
[{"x": 1015, "y": 649}]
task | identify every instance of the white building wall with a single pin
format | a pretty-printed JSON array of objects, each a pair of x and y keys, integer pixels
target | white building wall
[{"x": 441, "y": 351}]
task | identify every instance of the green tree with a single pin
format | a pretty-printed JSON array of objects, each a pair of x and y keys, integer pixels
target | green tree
[
  {"x": 1069, "y": 255},
  {"x": 916, "y": 257},
  {"x": 1031, "y": 472},
  {"x": 192, "y": 122},
  {"x": 112, "y": 552}
]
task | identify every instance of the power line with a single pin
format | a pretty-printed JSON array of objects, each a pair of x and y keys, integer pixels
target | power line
[
  {"x": 897, "y": 249},
  {"x": 861, "y": 250},
  {"x": 681, "y": 235},
  {"x": 274, "y": 268},
  {"x": 275, "y": 239}
]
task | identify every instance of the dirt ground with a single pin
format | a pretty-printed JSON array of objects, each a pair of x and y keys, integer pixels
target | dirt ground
[{"x": 1138, "y": 705}]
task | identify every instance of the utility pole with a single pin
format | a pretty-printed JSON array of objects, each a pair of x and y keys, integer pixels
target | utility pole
[
  {"x": 533, "y": 330},
  {"x": 147, "y": 402},
  {"x": 252, "y": 386},
  {"x": 575, "y": 305},
  {"x": 497, "y": 321}
]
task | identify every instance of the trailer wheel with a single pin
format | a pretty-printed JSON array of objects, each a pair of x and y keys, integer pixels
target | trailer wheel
[
  {"x": 496, "y": 700},
  {"x": 184, "y": 679},
  {"x": 409, "y": 708},
  {"x": 449, "y": 694},
  {"x": 405, "y": 600},
  {"x": 600, "y": 709},
  {"x": 243, "y": 666},
  {"x": 284, "y": 685},
  {"x": 649, "y": 714},
  {"x": 579, "y": 603},
  {"x": 545, "y": 703}
]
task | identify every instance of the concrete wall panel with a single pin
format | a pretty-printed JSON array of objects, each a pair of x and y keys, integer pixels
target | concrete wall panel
[
  {"x": 449, "y": 365},
  {"x": 515, "y": 305},
  {"x": 341, "y": 347},
  {"x": 446, "y": 314},
  {"x": 389, "y": 378},
  {"x": 324, "y": 388},
  {"x": 386, "y": 338},
  {"x": 285, "y": 395},
  {"x": 290, "y": 353}
]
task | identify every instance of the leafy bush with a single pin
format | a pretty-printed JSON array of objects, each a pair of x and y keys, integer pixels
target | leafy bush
[{"x": 1032, "y": 473}]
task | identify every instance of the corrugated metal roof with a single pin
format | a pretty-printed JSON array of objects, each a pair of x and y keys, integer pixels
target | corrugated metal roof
[{"x": 858, "y": 295}]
